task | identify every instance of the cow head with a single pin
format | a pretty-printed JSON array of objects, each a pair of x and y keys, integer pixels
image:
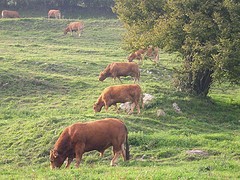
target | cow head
[
  {"x": 97, "y": 107},
  {"x": 102, "y": 76},
  {"x": 65, "y": 31},
  {"x": 131, "y": 57},
  {"x": 56, "y": 160}
]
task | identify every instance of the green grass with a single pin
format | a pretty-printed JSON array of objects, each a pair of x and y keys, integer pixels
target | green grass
[{"x": 49, "y": 81}]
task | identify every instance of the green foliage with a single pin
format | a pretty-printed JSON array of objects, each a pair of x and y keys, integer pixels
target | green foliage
[
  {"x": 139, "y": 19},
  {"x": 205, "y": 33}
]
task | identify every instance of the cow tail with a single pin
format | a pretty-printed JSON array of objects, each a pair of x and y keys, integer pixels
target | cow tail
[
  {"x": 127, "y": 148},
  {"x": 138, "y": 75},
  {"x": 141, "y": 100}
]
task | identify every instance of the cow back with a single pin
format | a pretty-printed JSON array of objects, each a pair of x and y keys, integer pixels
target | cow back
[
  {"x": 99, "y": 135},
  {"x": 54, "y": 14},
  {"x": 10, "y": 14},
  {"x": 125, "y": 69},
  {"x": 122, "y": 93}
]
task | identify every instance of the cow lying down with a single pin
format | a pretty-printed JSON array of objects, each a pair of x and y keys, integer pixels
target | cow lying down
[{"x": 98, "y": 135}]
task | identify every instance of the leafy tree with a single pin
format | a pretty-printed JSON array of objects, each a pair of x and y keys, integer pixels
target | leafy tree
[{"x": 206, "y": 33}]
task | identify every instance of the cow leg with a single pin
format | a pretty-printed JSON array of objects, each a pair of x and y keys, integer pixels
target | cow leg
[
  {"x": 79, "y": 149},
  {"x": 119, "y": 79},
  {"x": 133, "y": 105},
  {"x": 135, "y": 80},
  {"x": 116, "y": 108},
  {"x": 138, "y": 108},
  {"x": 106, "y": 107},
  {"x": 123, "y": 152},
  {"x": 101, "y": 154},
  {"x": 116, "y": 155},
  {"x": 69, "y": 160},
  {"x": 78, "y": 159}
]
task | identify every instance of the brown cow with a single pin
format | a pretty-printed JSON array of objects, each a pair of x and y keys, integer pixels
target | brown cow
[
  {"x": 53, "y": 13},
  {"x": 150, "y": 52},
  {"x": 136, "y": 55},
  {"x": 10, "y": 14},
  {"x": 74, "y": 26},
  {"x": 117, "y": 69},
  {"x": 120, "y": 94},
  {"x": 98, "y": 135}
]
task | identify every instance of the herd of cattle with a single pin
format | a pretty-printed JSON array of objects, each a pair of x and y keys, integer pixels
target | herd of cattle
[
  {"x": 53, "y": 13},
  {"x": 99, "y": 135}
]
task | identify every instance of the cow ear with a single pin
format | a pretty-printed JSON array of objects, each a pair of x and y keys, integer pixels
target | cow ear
[{"x": 55, "y": 154}]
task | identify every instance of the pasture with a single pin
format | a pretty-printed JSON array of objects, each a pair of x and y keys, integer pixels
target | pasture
[{"x": 49, "y": 81}]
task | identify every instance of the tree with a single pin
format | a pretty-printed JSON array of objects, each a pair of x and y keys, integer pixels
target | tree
[{"x": 206, "y": 34}]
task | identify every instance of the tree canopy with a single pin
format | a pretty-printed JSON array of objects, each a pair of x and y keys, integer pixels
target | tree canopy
[{"x": 206, "y": 33}]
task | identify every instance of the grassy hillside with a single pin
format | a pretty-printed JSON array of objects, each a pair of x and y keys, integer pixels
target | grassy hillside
[{"x": 49, "y": 81}]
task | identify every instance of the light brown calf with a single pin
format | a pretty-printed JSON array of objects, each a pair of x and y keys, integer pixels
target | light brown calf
[
  {"x": 10, "y": 14},
  {"x": 74, "y": 26},
  {"x": 53, "y": 13},
  {"x": 150, "y": 52},
  {"x": 136, "y": 55}
]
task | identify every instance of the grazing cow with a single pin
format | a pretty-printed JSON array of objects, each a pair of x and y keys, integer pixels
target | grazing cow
[
  {"x": 98, "y": 135},
  {"x": 74, "y": 26},
  {"x": 150, "y": 52},
  {"x": 117, "y": 69},
  {"x": 10, "y": 14},
  {"x": 120, "y": 94},
  {"x": 54, "y": 14},
  {"x": 136, "y": 55}
]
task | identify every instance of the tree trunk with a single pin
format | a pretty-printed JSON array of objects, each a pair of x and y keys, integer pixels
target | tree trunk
[
  {"x": 202, "y": 82},
  {"x": 194, "y": 81}
]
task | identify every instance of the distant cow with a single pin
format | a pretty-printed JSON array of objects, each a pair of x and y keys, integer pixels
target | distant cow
[
  {"x": 53, "y": 13},
  {"x": 150, "y": 52},
  {"x": 136, "y": 55},
  {"x": 74, "y": 26},
  {"x": 98, "y": 135},
  {"x": 120, "y": 94},
  {"x": 117, "y": 69},
  {"x": 10, "y": 14}
]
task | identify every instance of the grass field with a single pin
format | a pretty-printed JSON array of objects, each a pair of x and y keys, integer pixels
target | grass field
[{"x": 49, "y": 81}]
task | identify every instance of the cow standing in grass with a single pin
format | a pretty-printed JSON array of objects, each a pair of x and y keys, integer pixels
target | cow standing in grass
[
  {"x": 74, "y": 27},
  {"x": 10, "y": 14},
  {"x": 136, "y": 55},
  {"x": 98, "y": 135},
  {"x": 120, "y": 94},
  {"x": 150, "y": 52},
  {"x": 53, "y": 13},
  {"x": 117, "y": 69}
]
